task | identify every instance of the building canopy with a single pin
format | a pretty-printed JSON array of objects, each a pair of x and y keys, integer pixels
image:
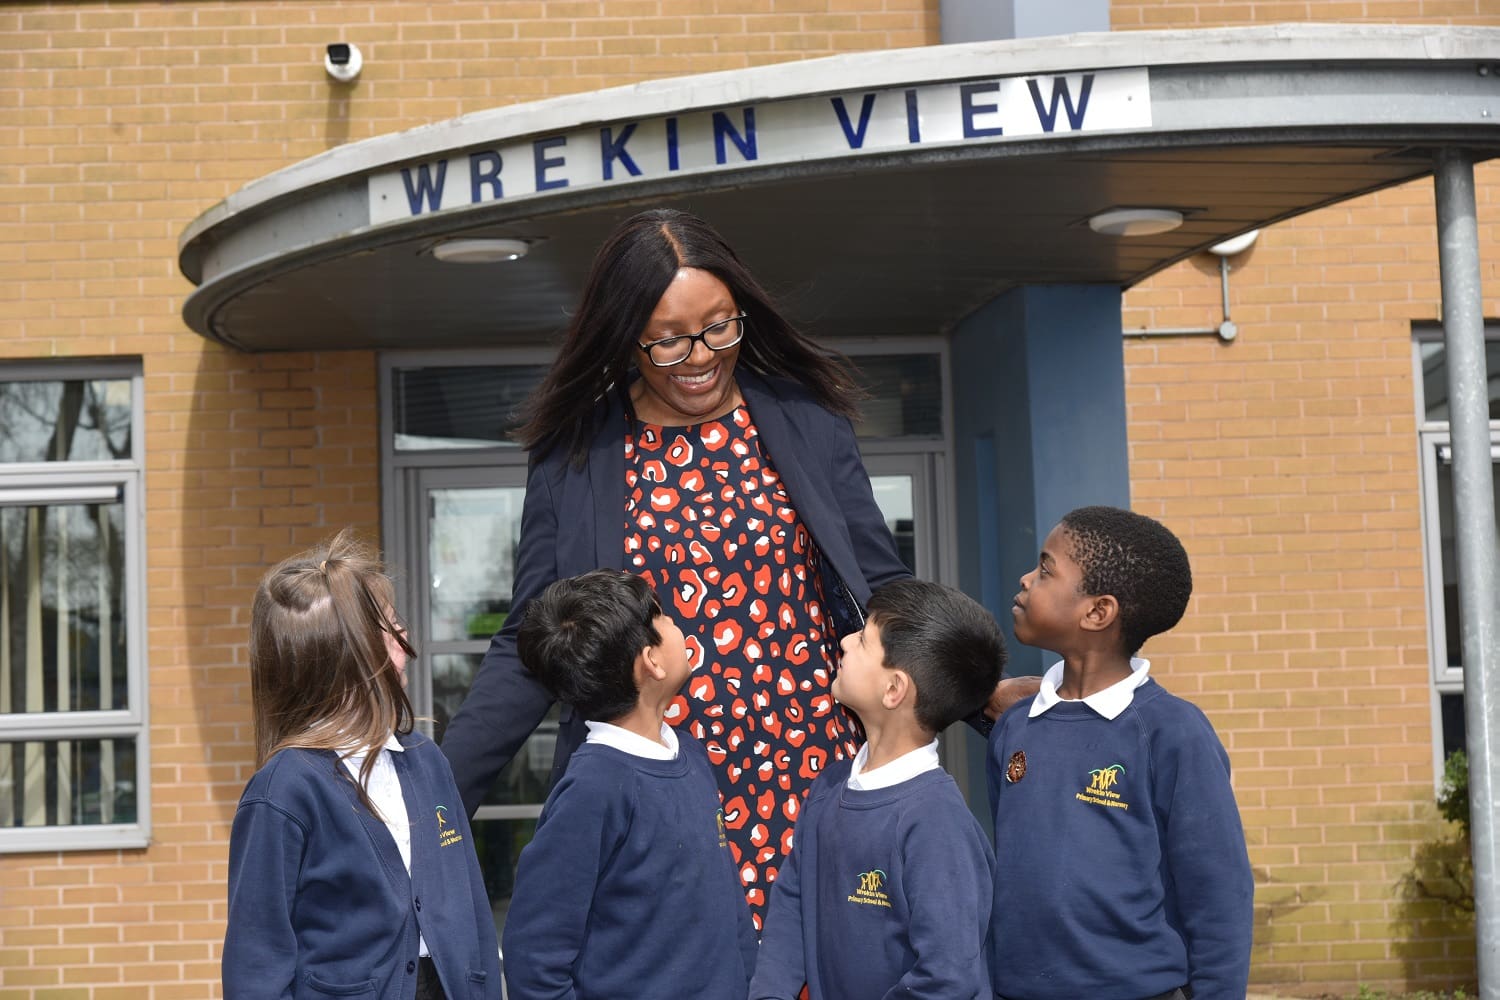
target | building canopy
[{"x": 877, "y": 194}]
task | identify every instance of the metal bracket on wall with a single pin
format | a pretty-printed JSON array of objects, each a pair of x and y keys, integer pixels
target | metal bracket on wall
[{"x": 1227, "y": 330}]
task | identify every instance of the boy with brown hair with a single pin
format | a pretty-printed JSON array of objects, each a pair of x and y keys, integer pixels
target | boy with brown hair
[{"x": 887, "y": 889}]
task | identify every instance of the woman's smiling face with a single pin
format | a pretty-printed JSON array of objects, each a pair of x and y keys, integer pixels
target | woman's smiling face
[{"x": 702, "y": 387}]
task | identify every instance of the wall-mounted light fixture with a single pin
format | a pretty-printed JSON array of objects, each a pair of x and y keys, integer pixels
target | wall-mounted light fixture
[
  {"x": 1227, "y": 328},
  {"x": 1235, "y": 244},
  {"x": 1136, "y": 221},
  {"x": 480, "y": 251}
]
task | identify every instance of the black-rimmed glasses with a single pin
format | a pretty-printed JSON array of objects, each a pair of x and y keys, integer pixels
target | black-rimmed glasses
[{"x": 720, "y": 336}]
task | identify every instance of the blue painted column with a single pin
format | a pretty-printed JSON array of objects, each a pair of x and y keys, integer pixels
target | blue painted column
[{"x": 1039, "y": 428}]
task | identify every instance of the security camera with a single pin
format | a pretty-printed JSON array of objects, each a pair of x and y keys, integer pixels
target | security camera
[{"x": 343, "y": 62}]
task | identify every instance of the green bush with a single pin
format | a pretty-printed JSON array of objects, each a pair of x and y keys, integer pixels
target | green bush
[
  {"x": 1453, "y": 800},
  {"x": 1443, "y": 869}
]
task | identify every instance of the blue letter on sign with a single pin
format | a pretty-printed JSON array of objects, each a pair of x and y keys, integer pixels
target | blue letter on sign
[
  {"x": 426, "y": 190},
  {"x": 744, "y": 143},
  {"x": 544, "y": 162},
  {"x": 672, "y": 161},
  {"x": 484, "y": 168},
  {"x": 854, "y": 136},
  {"x": 611, "y": 150},
  {"x": 1048, "y": 118},
  {"x": 970, "y": 109}
]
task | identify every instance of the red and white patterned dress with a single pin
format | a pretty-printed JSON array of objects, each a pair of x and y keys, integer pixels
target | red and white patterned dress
[{"x": 709, "y": 524}]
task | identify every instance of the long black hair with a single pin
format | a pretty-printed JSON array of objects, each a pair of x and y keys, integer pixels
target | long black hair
[{"x": 629, "y": 275}]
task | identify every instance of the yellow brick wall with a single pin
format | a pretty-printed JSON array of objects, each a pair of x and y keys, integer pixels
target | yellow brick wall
[
  {"x": 119, "y": 124},
  {"x": 1287, "y": 460}
]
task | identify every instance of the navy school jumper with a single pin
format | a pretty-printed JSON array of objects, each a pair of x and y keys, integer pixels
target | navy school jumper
[
  {"x": 320, "y": 903},
  {"x": 886, "y": 894},
  {"x": 1121, "y": 870},
  {"x": 628, "y": 890}
]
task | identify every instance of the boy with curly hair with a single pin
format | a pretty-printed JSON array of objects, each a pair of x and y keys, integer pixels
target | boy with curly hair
[{"x": 1122, "y": 870}]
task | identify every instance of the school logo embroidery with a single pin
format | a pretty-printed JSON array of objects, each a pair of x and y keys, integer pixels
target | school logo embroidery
[
  {"x": 869, "y": 892},
  {"x": 1016, "y": 769},
  {"x": 723, "y": 840},
  {"x": 1101, "y": 788},
  {"x": 448, "y": 834}
]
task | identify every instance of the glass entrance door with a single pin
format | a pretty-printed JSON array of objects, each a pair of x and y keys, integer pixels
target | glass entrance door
[
  {"x": 466, "y": 532},
  {"x": 904, "y": 491}
]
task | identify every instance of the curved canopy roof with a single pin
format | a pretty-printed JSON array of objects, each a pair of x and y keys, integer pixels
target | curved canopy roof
[{"x": 883, "y": 193}]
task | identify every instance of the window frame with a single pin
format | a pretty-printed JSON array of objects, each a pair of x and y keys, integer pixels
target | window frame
[
  {"x": 1432, "y": 436},
  {"x": 81, "y": 482}
]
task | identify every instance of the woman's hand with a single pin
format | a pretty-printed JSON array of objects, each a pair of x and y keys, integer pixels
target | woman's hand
[{"x": 1009, "y": 691}]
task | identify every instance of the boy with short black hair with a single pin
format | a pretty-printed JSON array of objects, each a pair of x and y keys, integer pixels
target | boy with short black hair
[
  {"x": 628, "y": 888},
  {"x": 1123, "y": 868},
  {"x": 887, "y": 889}
]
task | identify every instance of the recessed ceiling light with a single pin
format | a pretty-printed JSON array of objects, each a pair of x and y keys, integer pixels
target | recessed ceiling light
[
  {"x": 1136, "y": 221},
  {"x": 480, "y": 251}
]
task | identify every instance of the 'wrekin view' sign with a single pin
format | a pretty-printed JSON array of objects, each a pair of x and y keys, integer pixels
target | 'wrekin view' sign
[{"x": 773, "y": 132}]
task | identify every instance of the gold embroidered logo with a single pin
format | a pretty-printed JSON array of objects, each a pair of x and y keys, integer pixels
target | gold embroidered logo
[
  {"x": 1016, "y": 769},
  {"x": 1101, "y": 788},
  {"x": 448, "y": 834},
  {"x": 869, "y": 892},
  {"x": 723, "y": 840}
]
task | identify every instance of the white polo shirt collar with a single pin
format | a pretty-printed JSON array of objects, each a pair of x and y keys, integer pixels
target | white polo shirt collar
[
  {"x": 625, "y": 741},
  {"x": 1109, "y": 703}
]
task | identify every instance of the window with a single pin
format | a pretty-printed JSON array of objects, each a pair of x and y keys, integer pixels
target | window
[
  {"x": 1438, "y": 522},
  {"x": 73, "y": 761}
]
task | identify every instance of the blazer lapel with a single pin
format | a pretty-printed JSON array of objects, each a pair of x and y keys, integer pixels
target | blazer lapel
[
  {"x": 606, "y": 482},
  {"x": 810, "y": 493}
]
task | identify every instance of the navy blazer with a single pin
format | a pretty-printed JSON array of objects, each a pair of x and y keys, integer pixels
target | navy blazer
[
  {"x": 320, "y": 903},
  {"x": 573, "y": 521}
]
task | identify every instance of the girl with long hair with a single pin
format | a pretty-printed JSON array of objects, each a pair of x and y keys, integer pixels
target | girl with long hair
[{"x": 351, "y": 864}]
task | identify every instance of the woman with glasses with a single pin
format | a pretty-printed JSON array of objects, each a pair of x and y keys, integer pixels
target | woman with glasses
[{"x": 689, "y": 434}]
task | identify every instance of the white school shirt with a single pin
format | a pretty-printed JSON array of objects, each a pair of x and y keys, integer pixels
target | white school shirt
[
  {"x": 625, "y": 741},
  {"x": 384, "y": 790},
  {"x": 1109, "y": 703},
  {"x": 903, "y": 768}
]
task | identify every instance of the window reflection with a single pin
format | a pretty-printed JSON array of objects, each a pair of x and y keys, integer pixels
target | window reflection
[
  {"x": 65, "y": 421},
  {"x": 451, "y": 407},
  {"x": 473, "y": 534},
  {"x": 67, "y": 782},
  {"x": 1435, "y": 377},
  {"x": 905, "y": 395},
  {"x": 62, "y": 608},
  {"x": 1452, "y": 623}
]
